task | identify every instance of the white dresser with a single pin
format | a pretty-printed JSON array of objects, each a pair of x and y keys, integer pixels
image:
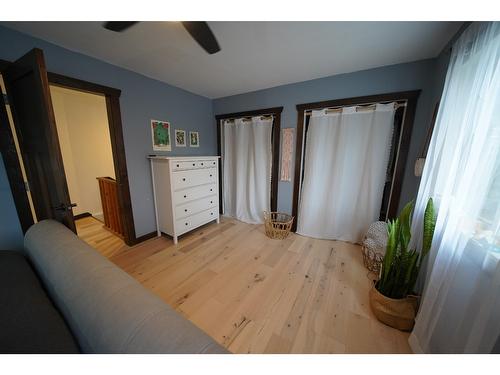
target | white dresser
[{"x": 186, "y": 192}]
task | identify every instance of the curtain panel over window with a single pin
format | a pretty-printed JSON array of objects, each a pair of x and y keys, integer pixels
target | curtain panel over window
[{"x": 460, "y": 310}]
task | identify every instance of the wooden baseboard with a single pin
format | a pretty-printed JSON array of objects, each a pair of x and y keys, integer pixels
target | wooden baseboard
[
  {"x": 82, "y": 215},
  {"x": 144, "y": 237}
]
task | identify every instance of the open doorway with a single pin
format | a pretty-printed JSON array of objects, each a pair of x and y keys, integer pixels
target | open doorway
[
  {"x": 33, "y": 154},
  {"x": 85, "y": 143}
]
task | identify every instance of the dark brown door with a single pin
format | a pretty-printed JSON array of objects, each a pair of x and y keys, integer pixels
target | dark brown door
[{"x": 29, "y": 96}]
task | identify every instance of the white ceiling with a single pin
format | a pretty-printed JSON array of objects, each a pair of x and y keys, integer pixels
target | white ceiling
[{"x": 254, "y": 55}]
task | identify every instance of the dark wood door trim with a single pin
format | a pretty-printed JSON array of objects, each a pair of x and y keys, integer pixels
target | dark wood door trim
[
  {"x": 359, "y": 100},
  {"x": 112, "y": 96},
  {"x": 276, "y": 112},
  {"x": 410, "y": 97},
  {"x": 255, "y": 112},
  {"x": 80, "y": 85},
  {"x": 120, "y": 162}
]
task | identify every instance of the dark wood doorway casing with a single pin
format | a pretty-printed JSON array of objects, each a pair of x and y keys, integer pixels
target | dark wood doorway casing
[
  {"x": 112, "y": 97},
  {"x": 401, "y": 156},
  {"x": 276, "y": 113}
]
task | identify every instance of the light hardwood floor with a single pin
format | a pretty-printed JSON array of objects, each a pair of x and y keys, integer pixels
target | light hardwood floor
[
  {"x": 257, "y": 295},
  {"x": 91, "y": 231}
]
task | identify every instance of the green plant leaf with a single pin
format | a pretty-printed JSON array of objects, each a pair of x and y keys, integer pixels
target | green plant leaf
[
  {"x": 405, "y": 220},
  {"x": 429, "y": 226},
  {"x": 411, "y": 269},
  {"x": 392, "y": 231},
  {"x": 401, "y": 265}
]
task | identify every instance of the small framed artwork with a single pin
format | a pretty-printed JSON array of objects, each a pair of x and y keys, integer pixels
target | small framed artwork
[
  {"x": 180, "y": 138},
  {"x": 160, "y": 134},
  {"x": 194, "y": 139}
]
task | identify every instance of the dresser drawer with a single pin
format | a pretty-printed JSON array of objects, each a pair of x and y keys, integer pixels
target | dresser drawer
[
  {"x": 193, "y": 193},
  {"x": 194, "y": 164},
  {"x": 186, "y": 224},
  {"x": 196, "y": 206},
  {"x": 194, "y": 177},
  {"x": 181, "y": 165}
]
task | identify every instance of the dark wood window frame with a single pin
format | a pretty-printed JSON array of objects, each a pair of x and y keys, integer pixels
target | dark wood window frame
[
  {"x": 276, "y": 113},
  {"x": 410, "y": 97},
  {"x": 112, "y": 97}
]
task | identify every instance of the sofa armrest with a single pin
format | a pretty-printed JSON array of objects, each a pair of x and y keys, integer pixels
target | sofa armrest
[{"x": 108, "y": 310}]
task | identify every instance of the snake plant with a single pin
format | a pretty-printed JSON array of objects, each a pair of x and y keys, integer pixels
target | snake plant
[{"x": 401, "y": 265}]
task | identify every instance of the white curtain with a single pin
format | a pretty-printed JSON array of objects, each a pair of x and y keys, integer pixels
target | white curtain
[
  {"x": 460, "y": 311},
  {"x": 247, "y": 162},
  {"x": 345, "y": 166}
]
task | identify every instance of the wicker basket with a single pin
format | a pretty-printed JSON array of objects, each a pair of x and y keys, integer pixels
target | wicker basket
[
  {"x": 396, "y": 313},
  {"x": 277, "y": 224}
]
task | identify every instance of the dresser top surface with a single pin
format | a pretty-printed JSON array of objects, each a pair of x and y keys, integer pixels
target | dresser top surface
[{"x": 161, "y": 157}]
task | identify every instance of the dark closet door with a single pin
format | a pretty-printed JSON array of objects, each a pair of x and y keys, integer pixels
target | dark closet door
[{"x": 29, "y": 96}]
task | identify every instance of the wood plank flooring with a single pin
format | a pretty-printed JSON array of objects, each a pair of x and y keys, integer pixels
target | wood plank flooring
[
  {"x": 253, "y": 294},
  {"x": 91, "y": 231}
]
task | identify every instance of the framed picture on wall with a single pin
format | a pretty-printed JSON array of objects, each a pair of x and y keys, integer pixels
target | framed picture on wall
[
  {"x": 180, "y": 138},
  {"x": 160, "y": 134},
  {"x": 194, "y": 139}
]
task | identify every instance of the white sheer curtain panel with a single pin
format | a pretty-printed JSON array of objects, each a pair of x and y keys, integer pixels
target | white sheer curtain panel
[
  {"x": 460, "y": 310},
  {"x": 247, "y": 168},
  {"x": 345, "y": 166}
]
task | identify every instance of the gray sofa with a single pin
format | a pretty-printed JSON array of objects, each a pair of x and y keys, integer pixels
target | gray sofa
[{"x": 107, "y": 310}]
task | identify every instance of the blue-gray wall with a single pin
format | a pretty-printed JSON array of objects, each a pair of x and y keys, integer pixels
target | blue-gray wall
[
  {"x": 11, "y": 236},
  {"x": 142, "y": 99},
  {"x": 401, "y": 77}
]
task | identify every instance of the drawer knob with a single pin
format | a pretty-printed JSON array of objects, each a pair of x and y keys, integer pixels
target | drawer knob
[
  {"x": 177, "y": 165},
  {"x": 183, "y": 179},
  {"x": 186, "y": 223},
  {"x": 185, "y": 210},
  {"x": 211, "y": 202},
  {"x": 211, "y": 213},
  {"x": 210, "y": 189},
  {"x": 213, "y": 163},
  {"x": 193, "y": 164},
  {"x": 185, "y": 196},
  {"x": 210, "y": 175},
  {"x": 201, "y": 163}
]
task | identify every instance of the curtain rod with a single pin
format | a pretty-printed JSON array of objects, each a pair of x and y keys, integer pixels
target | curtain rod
[
  {"x": 363, "y": 107},
  {"x": 248, "y": 118}
]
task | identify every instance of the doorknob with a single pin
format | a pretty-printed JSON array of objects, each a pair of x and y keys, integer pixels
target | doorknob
[{"x": 64, "y": 207}]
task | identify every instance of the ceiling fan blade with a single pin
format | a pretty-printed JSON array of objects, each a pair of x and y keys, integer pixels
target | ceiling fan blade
[
  {"x": 203, "y": 35},
  {"x": 119, "y": 26}
]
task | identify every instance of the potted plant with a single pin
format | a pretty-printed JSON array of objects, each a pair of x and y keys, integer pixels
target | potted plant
[{"x": 391, "y": 299}]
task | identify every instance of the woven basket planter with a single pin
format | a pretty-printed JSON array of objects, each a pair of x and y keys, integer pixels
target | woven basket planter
[
  {"x": 396, "y": 313},
  {"x": 277, "y": 224}
]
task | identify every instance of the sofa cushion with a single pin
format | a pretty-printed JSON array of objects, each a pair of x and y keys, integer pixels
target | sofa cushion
[{"x": 29, "y": 321}]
